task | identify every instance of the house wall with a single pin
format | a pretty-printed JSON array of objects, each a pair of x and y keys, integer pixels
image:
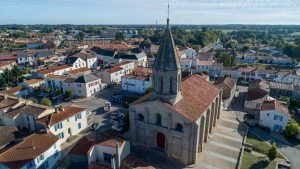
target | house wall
[
  {"x": 266, "y": 119},
  {"x": 71, "y": 124},
  {"x": 134, "y": 85}
]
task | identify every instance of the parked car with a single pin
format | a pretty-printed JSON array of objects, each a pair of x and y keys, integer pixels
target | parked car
[
  {"x": 250, "y": 120},
  {"x": 107, "y": 106}
]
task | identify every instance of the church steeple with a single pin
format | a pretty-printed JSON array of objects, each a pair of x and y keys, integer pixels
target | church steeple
[{"x": 166, "y": 70}]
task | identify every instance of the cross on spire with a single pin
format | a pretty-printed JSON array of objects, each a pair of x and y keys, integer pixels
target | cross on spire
[{"x": 168, "y": 20}]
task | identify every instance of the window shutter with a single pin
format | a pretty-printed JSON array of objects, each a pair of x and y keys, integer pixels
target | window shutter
[
  {"x": 75, "y": 118},
  {"x": 55, "y": 128},
  {"x": 62, "y": 135}
]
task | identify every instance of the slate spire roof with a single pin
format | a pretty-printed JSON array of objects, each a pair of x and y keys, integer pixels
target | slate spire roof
[{"x": 167, "y": 56}]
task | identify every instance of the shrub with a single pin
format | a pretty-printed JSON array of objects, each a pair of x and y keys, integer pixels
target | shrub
[
  {"x": 46, "y": 102},
  {"x": 69, "y": 94},
  {"x": 273, "y": 153},
  {"x": 291, "y": 130},
  {"x": 58, "y": 92},
  {"x": 47, "y": 90}
]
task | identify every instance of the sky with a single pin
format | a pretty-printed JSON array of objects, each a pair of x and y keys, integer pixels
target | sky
[{"x": 194, "y": 12}]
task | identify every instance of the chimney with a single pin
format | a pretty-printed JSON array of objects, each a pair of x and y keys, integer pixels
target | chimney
[
  {"x": 5, "y": 96},
  {"x": 47, "y": 129},
  {"x": 116, "y": 159},
  {"x": 62, "y": 108},
  {"x": 56, "y": 109}
]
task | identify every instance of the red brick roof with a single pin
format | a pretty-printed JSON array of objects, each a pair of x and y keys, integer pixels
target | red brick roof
[
  {"x": 30, "y": 148},
  {"x": 114, "y": 69},
  {"x": 33, "y": 81},
  {"x": 107, "y": 138},
  {"x": 7, "y": 102},
  {"x": 13, "y": 90},
  {"x": 256, "y": 94},
  {"x": 54, "y": 69},
  {"x": 139, "y": 73},
  {"x": 79, "y": 70},
  {"x": 59, "y": 77},
  {"x": 197, "y": 94},
  {"x": 56, "y": 117},
  {"x": 275, "y": 105}
]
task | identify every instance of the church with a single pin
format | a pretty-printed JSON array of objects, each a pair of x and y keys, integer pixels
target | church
[{"x": 178, "y": 116}]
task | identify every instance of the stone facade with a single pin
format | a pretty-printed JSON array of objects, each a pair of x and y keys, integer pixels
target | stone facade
[{"x": 177, "y": 118}]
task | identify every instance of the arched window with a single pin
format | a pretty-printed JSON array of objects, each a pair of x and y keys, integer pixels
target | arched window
[
  {"x": 141, "y": 117},
  {"x": 161, "y": 85},
  {"x": 179, "y": 127},
  {"x": 158, "y": 119}
]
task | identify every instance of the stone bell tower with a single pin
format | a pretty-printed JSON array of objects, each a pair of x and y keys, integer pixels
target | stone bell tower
[{"x": 166, "y": 70}]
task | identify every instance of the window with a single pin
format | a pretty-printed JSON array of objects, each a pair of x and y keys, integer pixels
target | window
[
  {"x": 179, "y": 127},
  {"x": 27, "y": 118},
  {"x": 55, "y": 154},
  {"x": 158, "y": 119},
  {"x": 161, "y": 85},
  {"x": 107, "y": 157},
  {"x": 41, "y": 157},
  {"x": 61, "y": 135},
  {"x": 141, "y": 117},
  {"x": 79, "y": 125},
  {"x": 171, "y": 86}
]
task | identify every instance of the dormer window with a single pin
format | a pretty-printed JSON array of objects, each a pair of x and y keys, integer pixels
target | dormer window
[
  {"x": 179, "y": 127},
  {"x": 140, "y": 117},
  {"x": 158, "y": 119}
]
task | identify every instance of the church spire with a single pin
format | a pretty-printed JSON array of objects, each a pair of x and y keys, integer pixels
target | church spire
[{"x": 166, "y": 69}]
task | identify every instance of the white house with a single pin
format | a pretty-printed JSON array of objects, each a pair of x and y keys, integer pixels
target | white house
[
  {"x": 87, "y": 85},
  {"x": 189, "y": 52},
  {"x": 111, "y": 76},
  {"x": 57, "y": 70},
  {"x": 26, "y": 58},
  {"x": 25, "y": 115},
  {"x": 274, "y": 115},
  {"x": 128, "y": 66},
  {"x": 76, "y": 62},
  {"x": 31, "y": 84},
  {"x": 107, "y": 148},
  {"x": 212, "y": 68},
  {"x": 138, "y": 81},
  {"x": 65, "y": 122},
  {"x": 91, "y": 60},
  {"x": 186, "y": 64},
  {"x": 39, "y": 150}
]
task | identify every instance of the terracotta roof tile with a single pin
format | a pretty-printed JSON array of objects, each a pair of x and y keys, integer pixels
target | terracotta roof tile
[
  {"x": 56, "y": 117},
  {"x": 58, "y": 77},
  {"x": 197, "y": 94},
  {"x": 26, "y": 109},
  {"x": 33, "y": 81},
  {"x": 80, "y": 70},
  {"x": 256, "y": 94},
  {"x": 133, "y": 161},
  {"x": 114, "y": 69},
  {"x": 7, "y": 102},
  {"x": 30, "y": 148},
  {"x": 54, "y": 69},
  {"x": 107, "y": 138},
  {"x": 275, "y": 105},
  {"x": 13, "y": 90}
]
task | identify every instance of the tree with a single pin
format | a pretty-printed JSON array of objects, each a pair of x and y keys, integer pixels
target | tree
[
  {"x": 58, "y": 92},
  {"x": 80, "y": 36},
  {"x": 47, "y": 90},
  {"x": 225, "y": 58},
  {"x": 245, "y": 49},
  {"x": 26, "y": 70},
  {"x": 16, "y": 72},
  {"x": 273, "y": 153},
  {"x": 291, "y": 130},
  {"x": 145, "y": 44},
  {"x": 120, "y": 36},
  {"x": 46, "y": 102},
  {"x": 69, "y": 94}
]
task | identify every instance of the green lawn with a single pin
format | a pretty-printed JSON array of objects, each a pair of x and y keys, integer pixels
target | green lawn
[
  {"x": 296, "y": 34},
  {"x": 259, "y": 145},
  {"x": 251, "y": 161}
]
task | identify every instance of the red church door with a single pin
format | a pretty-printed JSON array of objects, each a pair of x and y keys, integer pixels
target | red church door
[{"x": 160, "y": 140}]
